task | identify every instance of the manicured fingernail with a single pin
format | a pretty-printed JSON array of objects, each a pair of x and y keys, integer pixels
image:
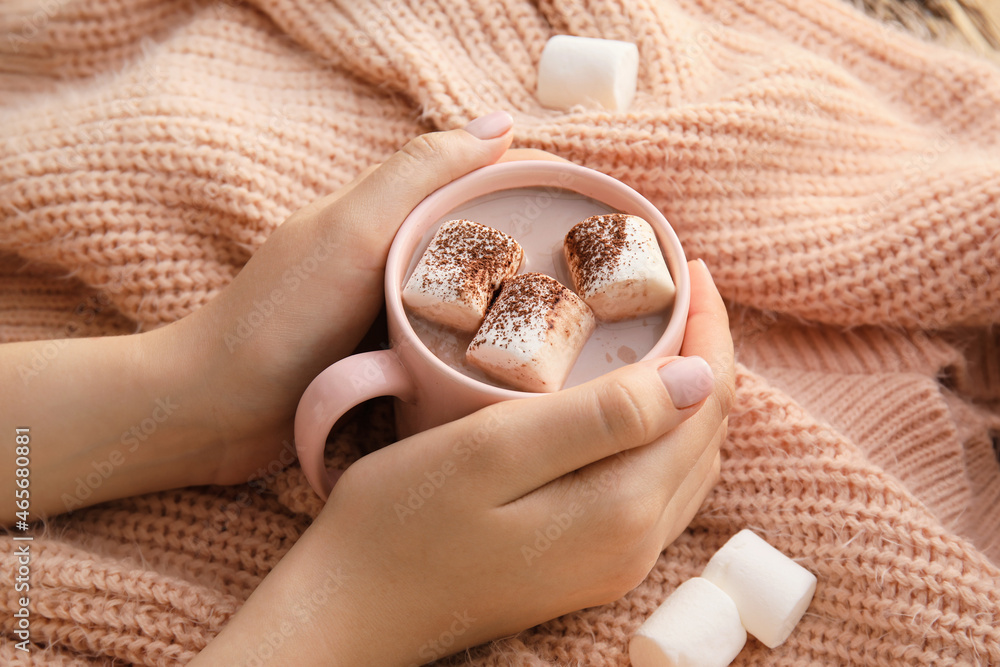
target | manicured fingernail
[
  {"x": 490, "y": 126},
  {"x": 688, "y": 380},
  {"x": 705, "y": 266}
]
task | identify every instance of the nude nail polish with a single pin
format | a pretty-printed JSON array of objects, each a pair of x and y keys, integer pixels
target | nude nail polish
[
  {"x": 490, "y": 126},
  {"x": 688, "y": 380}
]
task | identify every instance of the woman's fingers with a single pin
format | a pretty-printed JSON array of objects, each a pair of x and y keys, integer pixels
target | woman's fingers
[
  {"x": 707, "y": 335},
  {"x": 681, "y": 456},
  {"x": 689, "y": 498},
  {"x": 526, "y": 444},
  {"x": 661, "y": 468},
  {"x": 369, "y": 209},
  {"x": 377, "y": 205},
  {"x": 655, "y": 490},
  {"x": 510, "y": 155},
  {"x": 327, "y": 261},
  {"x": 537, "y": 440}
]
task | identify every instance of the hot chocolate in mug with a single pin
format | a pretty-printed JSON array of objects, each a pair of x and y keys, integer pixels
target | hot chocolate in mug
[{"x": 536, "y": 202}]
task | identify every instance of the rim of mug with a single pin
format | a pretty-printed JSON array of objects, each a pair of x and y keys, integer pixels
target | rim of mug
[{"x": 531, "y": 174}]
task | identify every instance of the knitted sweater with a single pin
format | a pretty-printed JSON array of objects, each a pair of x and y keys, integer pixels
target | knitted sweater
[{"x": 841, "y": 180}]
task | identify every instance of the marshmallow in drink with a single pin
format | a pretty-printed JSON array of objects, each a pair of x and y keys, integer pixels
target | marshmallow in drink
[
  {"x": 587, "y": 71},
  {"x": 532, "y": 334},
  {"x": 459, "y": 272},
  {"x": 698, "y": 625},
  {"x": 617, "y": 267},
  {"x": 771, "y": 590}
]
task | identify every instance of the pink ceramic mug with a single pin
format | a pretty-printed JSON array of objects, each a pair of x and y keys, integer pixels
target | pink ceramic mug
[{"x": 429, "y": 391}]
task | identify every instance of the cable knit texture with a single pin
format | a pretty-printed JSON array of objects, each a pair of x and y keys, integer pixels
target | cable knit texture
[{"x": 841, "y": 179}]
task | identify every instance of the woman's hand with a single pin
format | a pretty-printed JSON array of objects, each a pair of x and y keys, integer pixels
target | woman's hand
[
  {"x": 512, "y": 516},
  {"x": 211, "y": 398},
  {"x": 306, "y": 298}
]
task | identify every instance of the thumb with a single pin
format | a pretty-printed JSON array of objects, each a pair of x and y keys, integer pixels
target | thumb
[
  {"x": 326, "y": 262},
  {"x": 536, "y": 440},
  {"x": 386, "y": 196}
]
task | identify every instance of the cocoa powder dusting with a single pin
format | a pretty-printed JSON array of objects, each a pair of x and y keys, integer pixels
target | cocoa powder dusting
[
  {"x": 523, "y": 299},
  {"x": 593, "y": 248},
  {"x": 470, "y": 260}
]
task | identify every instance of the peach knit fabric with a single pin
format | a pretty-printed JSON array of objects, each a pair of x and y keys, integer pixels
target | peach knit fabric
[{"x": 841, "y": 180}]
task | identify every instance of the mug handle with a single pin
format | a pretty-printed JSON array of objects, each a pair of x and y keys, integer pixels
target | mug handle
[{"x": 347, "y": 383}]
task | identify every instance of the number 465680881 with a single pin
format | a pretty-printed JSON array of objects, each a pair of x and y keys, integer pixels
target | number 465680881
[{"x": 22, "y": 451}]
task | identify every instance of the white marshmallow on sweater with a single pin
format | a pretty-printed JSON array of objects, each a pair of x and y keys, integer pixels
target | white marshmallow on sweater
[
  {"x": 587, "y": 71},
  {"x": 698, "y": 625},
  {"x": 617, "y": 266},
  {"x": 460, "y": 270},
  {"x": 771, "y": 590},
  {"x": 532, "y": 334}
]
